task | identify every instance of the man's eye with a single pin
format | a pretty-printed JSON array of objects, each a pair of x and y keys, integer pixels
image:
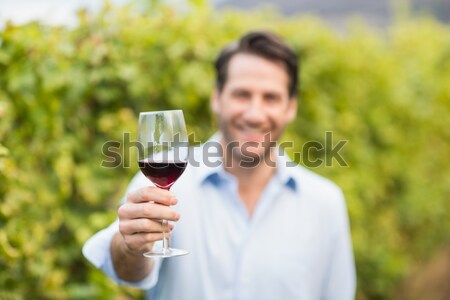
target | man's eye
[
  {"x": 271, "y": 98},
  {"x": 241, "y": 95}
]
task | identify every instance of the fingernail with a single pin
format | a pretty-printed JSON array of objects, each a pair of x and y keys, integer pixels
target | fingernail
[{"x": 174, "y": 201}]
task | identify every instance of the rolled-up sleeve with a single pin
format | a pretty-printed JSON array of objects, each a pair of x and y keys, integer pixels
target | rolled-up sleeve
[{"x": 97, "y": 250}]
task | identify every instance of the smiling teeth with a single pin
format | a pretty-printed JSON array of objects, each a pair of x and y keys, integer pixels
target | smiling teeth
[{"x": 253, "y": 132}]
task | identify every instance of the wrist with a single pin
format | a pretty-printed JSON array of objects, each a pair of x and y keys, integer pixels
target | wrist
[
  {"x": 123, "y": 247},
  {"x": 129, "y": 265}
]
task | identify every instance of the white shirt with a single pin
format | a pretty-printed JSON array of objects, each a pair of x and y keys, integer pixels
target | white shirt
[{"x": 296, "y": 245}]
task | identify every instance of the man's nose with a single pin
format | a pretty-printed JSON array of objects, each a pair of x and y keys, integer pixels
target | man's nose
[{"x": 255, "y": 112}]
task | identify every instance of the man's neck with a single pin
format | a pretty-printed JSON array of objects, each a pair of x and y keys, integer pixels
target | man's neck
[{"x": 251, "y": 180}]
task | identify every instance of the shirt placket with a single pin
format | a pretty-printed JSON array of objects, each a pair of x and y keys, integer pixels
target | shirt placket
[{"x": 243, "y": 288}]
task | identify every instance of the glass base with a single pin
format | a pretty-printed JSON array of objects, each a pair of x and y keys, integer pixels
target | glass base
[{"x": 171, "y": 252}]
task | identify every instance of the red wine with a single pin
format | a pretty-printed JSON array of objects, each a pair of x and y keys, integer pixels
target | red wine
[{"x": 162, "y": 174}]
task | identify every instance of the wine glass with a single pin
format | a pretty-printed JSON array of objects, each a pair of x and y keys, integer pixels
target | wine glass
[{"x": 164, "y": 138}]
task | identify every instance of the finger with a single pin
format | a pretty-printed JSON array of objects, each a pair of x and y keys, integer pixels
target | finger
[
  {"x": 147, "y": 210},
  {"x": 143, "y": 241},
  {"x": 143, "y": 226},
  {"x": 152, "y": 194}
]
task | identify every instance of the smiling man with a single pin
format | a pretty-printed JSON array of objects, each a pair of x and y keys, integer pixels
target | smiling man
[
  {"x": 254, "y": 101},
  {"x": 255, "y": 227}
]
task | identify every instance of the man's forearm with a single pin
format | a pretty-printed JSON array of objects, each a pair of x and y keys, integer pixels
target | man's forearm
[{"x": 128, "y": 266}]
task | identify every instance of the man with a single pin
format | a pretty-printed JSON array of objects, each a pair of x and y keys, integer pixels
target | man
[{"x": 255, "y": 226}]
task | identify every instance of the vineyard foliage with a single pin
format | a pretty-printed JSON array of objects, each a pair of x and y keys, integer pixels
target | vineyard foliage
[{"x": 66, "y": 91}]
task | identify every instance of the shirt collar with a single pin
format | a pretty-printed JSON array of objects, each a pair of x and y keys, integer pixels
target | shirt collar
[
  {"x": 285, "y": 170},
  {"x": 215, "y": 173}
]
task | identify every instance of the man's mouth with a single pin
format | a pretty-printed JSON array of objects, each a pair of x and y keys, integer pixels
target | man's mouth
[{"x": 253, "y": 135}]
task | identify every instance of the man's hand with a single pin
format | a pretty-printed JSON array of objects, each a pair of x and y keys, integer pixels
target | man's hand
[
  {"x": 140, "y": 226},
  {"x": 140, "y": 218}
]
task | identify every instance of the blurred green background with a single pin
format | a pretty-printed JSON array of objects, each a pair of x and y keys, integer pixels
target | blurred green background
[{"x": 64, "y": 92}]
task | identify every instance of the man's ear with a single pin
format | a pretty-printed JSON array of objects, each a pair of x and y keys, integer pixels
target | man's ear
[
  {"x": 292, "y": 109},
  {"x": 214, "y": 102}
]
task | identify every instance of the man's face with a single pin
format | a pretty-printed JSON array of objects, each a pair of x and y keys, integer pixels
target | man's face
[{"x": 253, "y": 107}]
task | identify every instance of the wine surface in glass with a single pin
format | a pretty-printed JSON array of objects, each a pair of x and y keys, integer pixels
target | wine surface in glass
[{"x": 162, "y": 174}]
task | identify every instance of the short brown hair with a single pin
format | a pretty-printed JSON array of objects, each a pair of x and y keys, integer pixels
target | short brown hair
[{"x": 261, "y": 43}]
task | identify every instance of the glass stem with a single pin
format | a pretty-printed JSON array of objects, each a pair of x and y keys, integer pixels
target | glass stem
[{"x": 166, "y": 246}]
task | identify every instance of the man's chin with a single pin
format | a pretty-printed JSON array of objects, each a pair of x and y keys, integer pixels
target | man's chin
[
  {"x": 244, "y": 153},
  {"x": 250, "y": 159},
  {"x": 249, "y": 163}
]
